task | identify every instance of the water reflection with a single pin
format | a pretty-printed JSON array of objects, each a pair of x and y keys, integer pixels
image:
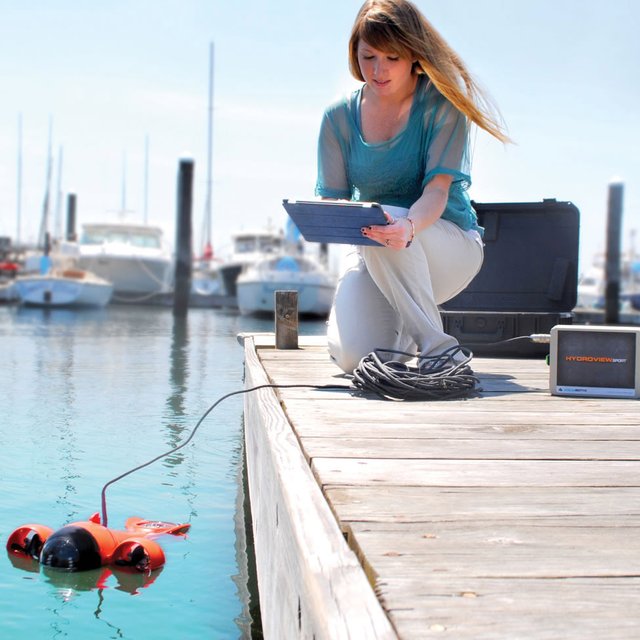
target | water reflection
[
  {"x": 67, "y": 583},
  {"x": 178, "y": 377},
  {"x": 246, "y": 580}
]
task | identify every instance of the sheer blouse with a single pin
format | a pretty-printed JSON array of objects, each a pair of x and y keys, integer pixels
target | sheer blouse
[{"x": 395, "y": 172}]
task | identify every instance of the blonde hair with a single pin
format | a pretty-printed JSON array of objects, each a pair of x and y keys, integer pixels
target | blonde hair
[{"x": 397, "y": 26}]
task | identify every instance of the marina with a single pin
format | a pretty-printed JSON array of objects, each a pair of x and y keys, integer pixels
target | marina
[
  {"x": 301, "y": 507},
  {"x": 510, "y": 514},
  {"x": 89, "y": 394}
]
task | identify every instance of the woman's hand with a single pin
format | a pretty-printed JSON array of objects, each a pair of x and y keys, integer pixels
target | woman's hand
[{"x": 397, "y": 234}]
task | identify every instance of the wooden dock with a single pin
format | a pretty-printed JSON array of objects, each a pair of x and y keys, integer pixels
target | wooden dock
[{"x": 511, "y": 515}]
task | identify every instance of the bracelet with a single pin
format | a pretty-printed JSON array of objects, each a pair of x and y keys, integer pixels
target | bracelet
[{"x": 413, "y": 232}]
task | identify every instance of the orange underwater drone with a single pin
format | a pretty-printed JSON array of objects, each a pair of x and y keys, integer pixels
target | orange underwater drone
[{"x": 81, "y": 546}]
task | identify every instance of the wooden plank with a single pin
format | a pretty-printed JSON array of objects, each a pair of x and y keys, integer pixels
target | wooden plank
[
  {"x": 470, "y": 448},
  {"x": 310, "y": 582},
  {"x": 499, "y": 549},
  {"x": 327, "y": 404},
  {"x": 466, "y": 608},
  {"x": 432, "y": 504},
  {"x": 477, "y": 473},
  {"x": 492, "y": 431}
]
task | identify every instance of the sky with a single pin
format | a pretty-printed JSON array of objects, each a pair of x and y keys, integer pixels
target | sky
[{"x": 123, "y": 87}]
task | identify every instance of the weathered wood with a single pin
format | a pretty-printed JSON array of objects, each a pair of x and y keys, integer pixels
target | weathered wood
[
  {"x": 433, "y": 504},
  {"x": 513, "y": 514},
  {"x": 311, "y": 584},
  {"x": 498, "y": 549},
  {"x": 443, "y": 448},
  {"x": 478, "y": 473},
  {"x": 286, "y": 319},
  {"x": 498, "y": 609}
]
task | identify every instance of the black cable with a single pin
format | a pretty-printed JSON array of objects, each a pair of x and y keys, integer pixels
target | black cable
[
  {"x": 193, "y": 432},
  {"x": 437, "y": 377},
  {"x": 444, "y": 376}
]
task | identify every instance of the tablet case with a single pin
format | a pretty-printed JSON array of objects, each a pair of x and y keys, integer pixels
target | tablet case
[{"x": 334, "y": 221}]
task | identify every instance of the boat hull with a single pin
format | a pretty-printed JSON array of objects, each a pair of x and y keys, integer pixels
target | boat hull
[
  {"x": 258, "y": 296},
  {"x": 59, "y": 291},
  {"x": 133, "y": 257},
  {"x": 133, "y": 277}
]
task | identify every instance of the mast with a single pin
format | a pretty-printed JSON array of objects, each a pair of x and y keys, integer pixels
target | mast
[
  {"x": 19, "y": 184},
  {"x": 206, "y": 236},
  {"x": 46, "y": 205},
  {"x": 123, "y": 185},
  {"x": 146, "y": 178},
  {"x": 57, "y": 221}
]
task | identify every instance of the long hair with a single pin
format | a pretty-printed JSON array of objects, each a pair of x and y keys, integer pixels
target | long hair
[{"x": 397, "y": 26}]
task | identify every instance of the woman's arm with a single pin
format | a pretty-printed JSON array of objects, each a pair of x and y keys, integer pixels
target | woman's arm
[{"x": 424, "y": 212}]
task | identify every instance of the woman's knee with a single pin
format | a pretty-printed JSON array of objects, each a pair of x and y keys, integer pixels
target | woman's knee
[{"x": 344, "y": 356}]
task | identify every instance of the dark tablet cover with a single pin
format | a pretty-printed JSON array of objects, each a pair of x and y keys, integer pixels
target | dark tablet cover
[{"x": 335, "y": 221}]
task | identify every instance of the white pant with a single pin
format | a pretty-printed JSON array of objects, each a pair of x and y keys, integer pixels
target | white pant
[{"x": 388, "y": 299}]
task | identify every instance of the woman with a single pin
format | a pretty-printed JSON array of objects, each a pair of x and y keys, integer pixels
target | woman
[{"x": 402, "y": 140}]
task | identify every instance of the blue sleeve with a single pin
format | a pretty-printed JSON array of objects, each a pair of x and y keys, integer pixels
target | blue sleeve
[
  {"x": 332, "y": 179},
  {"x": 448, "y": 150}
]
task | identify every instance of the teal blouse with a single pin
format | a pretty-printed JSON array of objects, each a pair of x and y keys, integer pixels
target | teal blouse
[{"x": 395, "y": 172}]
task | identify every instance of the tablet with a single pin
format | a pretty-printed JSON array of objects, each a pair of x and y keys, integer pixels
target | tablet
[{"x": 335, "y": 221}]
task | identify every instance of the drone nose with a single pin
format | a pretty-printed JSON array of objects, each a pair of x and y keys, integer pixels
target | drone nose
[{"x": 71, "y": 548}]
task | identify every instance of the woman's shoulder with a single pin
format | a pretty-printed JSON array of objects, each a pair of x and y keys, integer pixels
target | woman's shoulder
[
  {"x": 344, "y": 104},
  {"x": 428, "y": 93},
  {"x": 433, "y": 106}
]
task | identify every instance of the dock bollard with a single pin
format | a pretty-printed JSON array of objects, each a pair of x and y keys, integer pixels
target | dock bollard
[
  {"x": 612, "y": 266},
  {"x": 286, "y": 319},
  {"x": 183, "y": 266}
]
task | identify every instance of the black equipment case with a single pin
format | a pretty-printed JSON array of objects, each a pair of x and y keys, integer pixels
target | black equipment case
[{"x": 528, "y": 282}]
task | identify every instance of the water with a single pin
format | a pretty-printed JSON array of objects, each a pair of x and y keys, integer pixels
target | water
[{"x": 87, "y": 396}]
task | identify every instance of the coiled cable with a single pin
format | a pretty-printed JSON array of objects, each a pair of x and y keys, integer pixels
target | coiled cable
[{"x": 440, "y": 377}]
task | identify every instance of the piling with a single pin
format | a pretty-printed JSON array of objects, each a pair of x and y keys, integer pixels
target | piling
[
  {"x": 612, "y": 272},
  {"x": 71, "y": 234},
  {"x": 182, "y": 286},
  {"x": 286, "y": 319}
]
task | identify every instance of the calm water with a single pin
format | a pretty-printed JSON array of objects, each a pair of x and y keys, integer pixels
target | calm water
[{"x": 85, "y": 397}]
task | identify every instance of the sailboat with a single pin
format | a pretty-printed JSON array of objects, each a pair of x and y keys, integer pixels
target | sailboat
[
  {"x": 207, "y": 287},
  {"x": 64, "y": 288},
  {"x": 58, "y": 281}
]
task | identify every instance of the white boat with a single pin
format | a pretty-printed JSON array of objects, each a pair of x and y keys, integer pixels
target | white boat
[
  {"x": 258, "y": 283},
  {"x": 248, "y": 247},
  {"x": 592, "y": 284},
  {"x": 64, "y": 288},
  {"x": 8, "y": 271},
  {"x": 133, "y": 257},
  {"x": 8, "y": 291}
]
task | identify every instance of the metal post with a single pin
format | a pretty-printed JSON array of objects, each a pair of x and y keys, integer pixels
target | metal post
[
  {"x": 182, "y": 287},
  {"x": 612, "y": 273},
  {"x": 286, "y": 319}
]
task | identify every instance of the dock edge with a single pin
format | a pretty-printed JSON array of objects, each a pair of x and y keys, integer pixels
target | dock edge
[{"x": 310, "y": 582}]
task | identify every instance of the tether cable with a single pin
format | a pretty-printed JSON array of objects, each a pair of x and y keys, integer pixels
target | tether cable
[
  {"x": 105, "y": 520},
  {"x": 441, "y": 377}
]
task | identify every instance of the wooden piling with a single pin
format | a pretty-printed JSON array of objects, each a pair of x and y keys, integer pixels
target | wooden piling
[
  {"x": 182, "y": 285},
  {"x": 286, "y": 319},
  {"x": 71, "y": 234},
  {"x": 614, "y": 233}
]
